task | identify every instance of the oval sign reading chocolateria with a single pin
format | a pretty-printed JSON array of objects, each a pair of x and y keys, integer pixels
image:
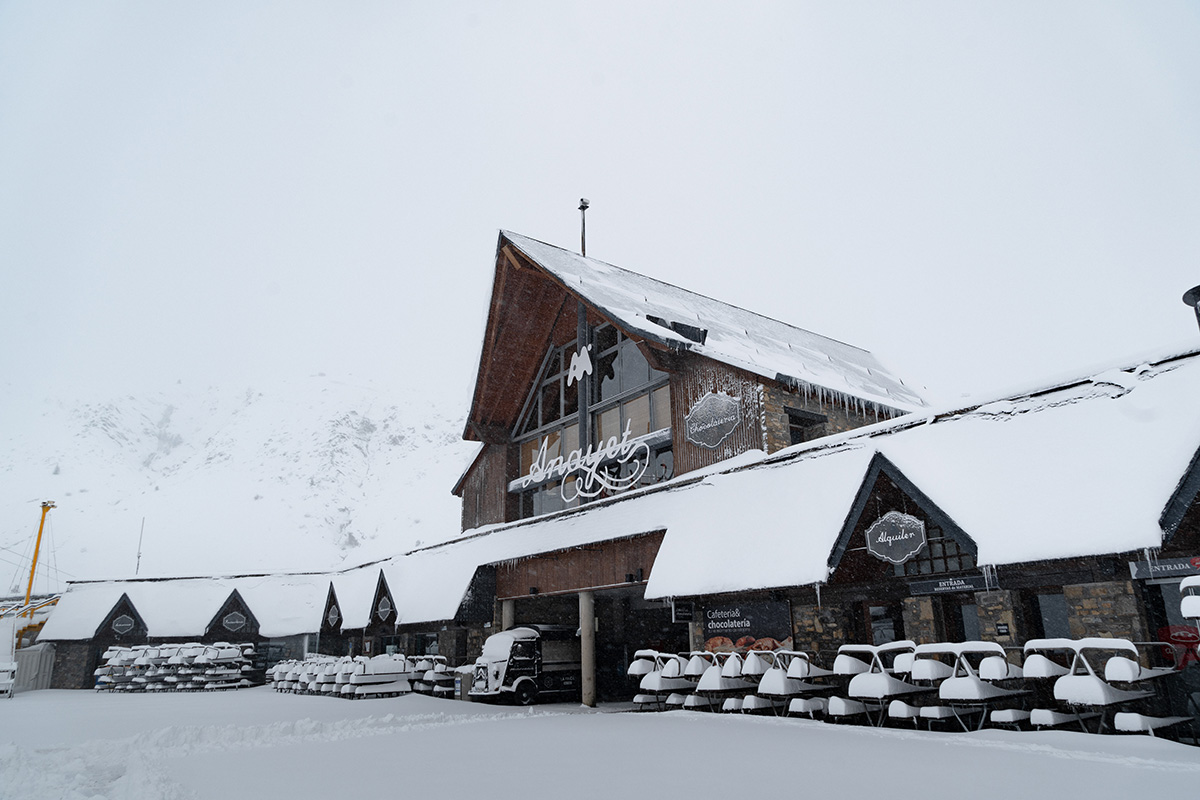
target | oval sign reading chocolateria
[
  {"x": 712, "y": 419},
  {"x": 896, "y": 537}
]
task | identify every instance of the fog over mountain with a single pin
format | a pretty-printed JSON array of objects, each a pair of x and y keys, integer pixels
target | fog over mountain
[{"x": 305, "y": 474}]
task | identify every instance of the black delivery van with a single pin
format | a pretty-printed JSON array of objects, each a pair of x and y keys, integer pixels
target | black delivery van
[{"x": 528, "y": 663}]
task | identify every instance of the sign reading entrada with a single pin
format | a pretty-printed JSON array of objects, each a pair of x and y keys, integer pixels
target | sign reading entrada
[
  {"x": 896, "y": 537},
  {"x": 712, "y": 419},
  {"x": 590, "y": 467}
]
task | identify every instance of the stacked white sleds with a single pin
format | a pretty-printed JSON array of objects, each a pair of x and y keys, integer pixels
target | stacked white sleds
[
  {"x": 757, "y": 681},
  {"x": 357, "y": 677},
  {"x": 433, "y": 676},
  {"x": 178, "y": 667},
  {"x": 1099, "y": 685}
]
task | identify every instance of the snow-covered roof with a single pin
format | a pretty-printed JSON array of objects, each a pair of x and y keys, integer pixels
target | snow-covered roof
[
  {"x": 355, "y": 590},
  {"x": 284, "y": 605},
  {"x": 1080, "y": 469},
  {"x": 735, "y": 336}
]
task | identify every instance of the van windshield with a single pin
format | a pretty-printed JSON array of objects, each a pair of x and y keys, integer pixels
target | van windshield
[{"x": 497, "y": 646}]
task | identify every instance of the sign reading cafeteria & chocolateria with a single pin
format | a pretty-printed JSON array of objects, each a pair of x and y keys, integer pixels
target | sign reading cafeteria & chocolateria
[{"x": 740, "y": 626}]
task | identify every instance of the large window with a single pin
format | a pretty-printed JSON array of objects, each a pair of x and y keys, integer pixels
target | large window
[
  {"x": 940, "y": 554},
  {"x": 626, "y": 393}
]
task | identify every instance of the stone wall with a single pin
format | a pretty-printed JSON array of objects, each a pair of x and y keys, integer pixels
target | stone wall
[
  {"x": 839, "y": 418},
  {"x": 820, "y": 630},
  {"x": 921, "y": 620},
  {"x": 1109, "y": 608},
  {"x": 999, "y": 611},
  {"x": 74, "y": 663}
]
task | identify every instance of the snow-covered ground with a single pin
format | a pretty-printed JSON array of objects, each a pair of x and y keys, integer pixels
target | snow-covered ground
[{"x": 256, "y": 743}]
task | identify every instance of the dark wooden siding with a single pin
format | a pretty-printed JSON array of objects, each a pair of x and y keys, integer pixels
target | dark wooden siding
[
  {"x": 592, "y": 566},
  {"x": 695, "y": 377},
  {"x": 485, "y": 490}
]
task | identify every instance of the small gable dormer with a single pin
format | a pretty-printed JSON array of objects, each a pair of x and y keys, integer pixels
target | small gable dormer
[
  {"x": 383, "y": 610},
  {"x": 234, "y": 621},
  {"x": 331, "y": 616},
  {"x": 123, "y": 624},
  {"x": 894, "y": 530}
]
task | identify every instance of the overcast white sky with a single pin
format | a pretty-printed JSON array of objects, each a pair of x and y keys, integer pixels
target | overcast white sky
[{"x": 984, "y": 195}]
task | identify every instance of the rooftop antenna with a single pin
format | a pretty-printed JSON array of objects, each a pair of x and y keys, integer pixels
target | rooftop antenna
[
  {"x": 583, "y": 207},
  {"x": 1192, "y": 298},
  {"x": 138, "y": 566}
]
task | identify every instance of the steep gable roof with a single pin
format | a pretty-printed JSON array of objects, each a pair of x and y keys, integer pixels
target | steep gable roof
[
  {"x": 679, "y": 319},
  {"x": 532, "y": 306}
]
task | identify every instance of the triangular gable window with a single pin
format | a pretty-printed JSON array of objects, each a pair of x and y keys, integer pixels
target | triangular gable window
[
  {"x": 553, "y": 398},
  {"x": 627, "y": 395},
  {"x": 894, "y": 530}
]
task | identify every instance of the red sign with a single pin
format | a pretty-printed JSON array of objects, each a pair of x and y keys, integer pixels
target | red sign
[{"x": 1185, "y": 638}]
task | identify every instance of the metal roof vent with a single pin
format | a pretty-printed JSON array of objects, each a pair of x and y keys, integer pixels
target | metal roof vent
[
  {"x": 694, "y": 333},
  {"x": 1192, "y": 298}
]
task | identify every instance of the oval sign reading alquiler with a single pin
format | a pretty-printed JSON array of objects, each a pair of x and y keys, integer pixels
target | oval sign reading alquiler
[
  {"x": 896, "y": 537},
  {"x": 712, "y": 419}
]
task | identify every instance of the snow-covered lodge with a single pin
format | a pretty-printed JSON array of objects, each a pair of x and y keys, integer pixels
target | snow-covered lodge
[{"x": 664, "y": 470}]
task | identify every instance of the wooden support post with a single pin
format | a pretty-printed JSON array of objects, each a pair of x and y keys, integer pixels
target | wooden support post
[
  {"x": 508, "y": 614},
  {"x": 587, "y": 646}
]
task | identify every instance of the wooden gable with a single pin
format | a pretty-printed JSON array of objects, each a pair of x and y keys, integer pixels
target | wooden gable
[
  {"x": 886, "y": 489},
  {"x": 234, "y": 621},
  {"x": 123, "y": 624},
  {"x": 530, "y": 312},
  {"x": 383, "y": 610},
  {"x": 331, "y": 616}
]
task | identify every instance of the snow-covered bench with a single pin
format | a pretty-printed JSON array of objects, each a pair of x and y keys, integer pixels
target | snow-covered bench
[{"x": 1130, "y": 722}]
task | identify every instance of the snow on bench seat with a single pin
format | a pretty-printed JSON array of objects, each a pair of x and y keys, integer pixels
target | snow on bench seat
[
  {"x": 900, "y": 710},
  {"x": 844, "y": 707},
  {"x": 1048, "y": 718},
  {"x": 754, "y": 703},
  {"x": 676, "y": 700},
  {"x": 646, "y": 702},
  {"x": 1131, "y": 722},
  {"x": 697, "y": 702},
  {"x": 1009, "y": 716},
  {"x": 936, "y": 712},
  {"x": 809, "y": 706}
]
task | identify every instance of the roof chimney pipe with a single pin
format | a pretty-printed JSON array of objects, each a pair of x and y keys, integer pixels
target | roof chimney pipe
[
  {"x": 1192, "y": 298},
  {"x": 583, "y": 207}
]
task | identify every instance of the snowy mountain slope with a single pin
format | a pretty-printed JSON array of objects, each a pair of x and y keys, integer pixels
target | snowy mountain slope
[{"x": 300, "y": 475}]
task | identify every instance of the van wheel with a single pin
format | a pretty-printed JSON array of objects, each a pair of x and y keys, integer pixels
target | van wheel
[{"x": 526, "y": 694}]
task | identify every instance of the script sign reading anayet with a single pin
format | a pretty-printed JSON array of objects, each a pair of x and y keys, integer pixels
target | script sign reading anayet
[
  {"x": 896, "y": 537},
  {"x": 712, "y": 419}
]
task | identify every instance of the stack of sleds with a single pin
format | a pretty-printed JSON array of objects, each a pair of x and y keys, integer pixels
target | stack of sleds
[
  {"x": 355, "y": 677},
  {"x": 179, "y": 667},
  {"x": 1098, "y": 685},
  {"x": 758, "y": 681}
]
